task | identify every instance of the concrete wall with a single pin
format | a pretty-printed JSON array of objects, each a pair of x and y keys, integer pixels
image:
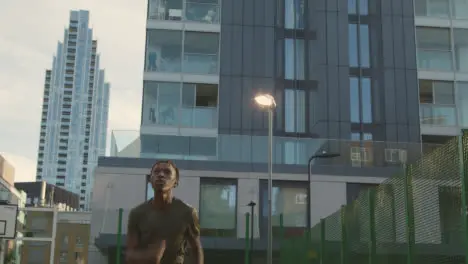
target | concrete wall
[{"x": 126, "y": 187}]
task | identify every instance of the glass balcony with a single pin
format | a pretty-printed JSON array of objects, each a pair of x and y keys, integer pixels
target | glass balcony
[
  {"x": 438, "y": 115},
  {"x": 287, "y": 150},
  {"x": 200, "y": 63},
  {"x": 199, "y": 117},
  {"x": 202, "y": 12},
  {"x": 206, "y": 11},
  {"x": 438, "y": 60}
]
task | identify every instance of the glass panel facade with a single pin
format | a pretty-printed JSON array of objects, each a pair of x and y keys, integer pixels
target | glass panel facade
[
  {"x": 201, "y": 53},
  {"x": 200, "y": 11},
  {"x": 358, "y": 47},
  {"x": 437, "y": 100},
  {"x": 218, "y": 200},
  {"x": 164, "y": 52},
  {"x": 295, "y": 110},
  {"x": 294, "y": 14},
  {"x": 176, "y": 104},
  {"x": 360, "y": 100},
  {"x": 460, "y": 37},
  {"x": 455, "y": 9},
  {"x": 358, "y": 7},
  {"x": 434, "y": 49},
  {"x": 294, "y": 59},
  {"x": 462, "y": 103}
]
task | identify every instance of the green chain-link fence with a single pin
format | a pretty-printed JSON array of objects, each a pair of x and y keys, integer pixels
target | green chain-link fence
[{"x": 418, "y": 216}]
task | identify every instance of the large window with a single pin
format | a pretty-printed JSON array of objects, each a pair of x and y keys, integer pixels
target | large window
[
  {"x": 165, "y": 52},
  {"x": 218, "y": 213},
  {"x": 437, "y": 103},
  {"x": 294, "y": 14},
  {"x": 360, "y": 100},
  {"x": 201, "y": 53},
  {"x": 175, "y": 104},
  {"x": 460, "y": 38},
  {"x": 294, "y": 59},
  {"x": 457, "y": 9},
  {"x": 201, "y": 11},
  {"x": 294, "y": 110},
  {"x": 434, "y": 49},
  {"x": 358, "y": 7},
  {"x": 462, "y": 103},
  {"x": 289, "y": 200},
  {"x": 358, "y": 46}
]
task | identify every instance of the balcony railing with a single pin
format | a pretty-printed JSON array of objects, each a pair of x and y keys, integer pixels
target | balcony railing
[
  {"x": 287, "y": 150},
  {"x": 199, "y": 117},
  {"x": 438, "y": 115},
  {"x": 200, "y": 63},
  {"x": 439, "y": 60},
  {"x": 194, "y": 11}
]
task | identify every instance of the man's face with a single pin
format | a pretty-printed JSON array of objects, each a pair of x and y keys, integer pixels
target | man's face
[{"x": 163, "y": 177}]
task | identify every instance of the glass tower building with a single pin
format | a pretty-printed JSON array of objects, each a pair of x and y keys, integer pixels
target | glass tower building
[{"x": 74, "y": 113}]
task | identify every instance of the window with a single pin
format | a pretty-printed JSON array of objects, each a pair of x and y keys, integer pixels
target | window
[
  {"x": 360, "y": 100},
  {"x": 358, "y": 48},
  {"x": 361, "y": 136},
  {"x": 358, "y": 7},
  {"x": 294, "y": 59},
  {"x": 289, "y": 199},
  {"x": 174, "y": 104},
  {"x": 201, "y": 53},
  {"x": 202, "y": 11},
  {"x": 199, "y": 105},
  {"x": 294, "y": 14},
  {"x": 462, "y": 103},
  {"x": 218, "y": 213},
  {"x": 437, "y": 103},
  {"x": 432, "y": 8},
  {"x": 164, "y": 51},
  {"x": 295, "y": 110},
  {"x": 434, "y": 49},
  {"x": 460, "y": 38}
]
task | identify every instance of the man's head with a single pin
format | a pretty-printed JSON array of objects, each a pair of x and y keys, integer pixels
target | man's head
[{"x": 164, "y": 176}]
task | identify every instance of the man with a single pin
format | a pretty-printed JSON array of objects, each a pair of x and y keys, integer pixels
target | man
[{"x": 159, "y": 228}]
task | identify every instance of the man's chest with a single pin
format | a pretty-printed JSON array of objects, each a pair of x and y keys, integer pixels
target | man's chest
[{"x": 169, "y": 226}]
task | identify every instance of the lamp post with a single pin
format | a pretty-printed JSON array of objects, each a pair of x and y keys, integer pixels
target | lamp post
[
  {"x": 267, "y": 101},
  {"x": 252, "y": 207},
  {"x": 323, "y": 155}
]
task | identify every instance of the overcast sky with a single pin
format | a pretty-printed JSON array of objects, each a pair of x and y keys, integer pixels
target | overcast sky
[{"x": 29, "y": 32}]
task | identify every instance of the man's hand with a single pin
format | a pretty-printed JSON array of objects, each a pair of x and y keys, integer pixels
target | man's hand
[{"x": 158, "y": 250}]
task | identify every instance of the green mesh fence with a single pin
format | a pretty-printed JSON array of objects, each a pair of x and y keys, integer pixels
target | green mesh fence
[{"x": 416, "y": 217}]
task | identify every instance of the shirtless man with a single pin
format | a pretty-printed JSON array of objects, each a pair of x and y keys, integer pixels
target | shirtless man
[{"x": 159, "y": 229}]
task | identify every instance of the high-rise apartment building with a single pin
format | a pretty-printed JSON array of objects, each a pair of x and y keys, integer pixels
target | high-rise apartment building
[
  {"x": 74, "y": 112},
  {"x": 345, "y": 79},
  {"x": 442, "y": 48}
]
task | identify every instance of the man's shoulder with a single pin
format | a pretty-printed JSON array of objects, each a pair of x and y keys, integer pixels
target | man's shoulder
[
  {"x": 183, "y": 205},
  {"x": 139, "y": 208}
]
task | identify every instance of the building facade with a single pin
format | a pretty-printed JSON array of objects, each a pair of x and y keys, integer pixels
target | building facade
[
  {"x": 74, "y": 112},
  {"x": 7, "y": 171},
  {"x": 43, "y": 194},
  {"x": 344, "y": 75},
  {"x": 53, "y": 236},
  {"x": 442, "y": 45}
]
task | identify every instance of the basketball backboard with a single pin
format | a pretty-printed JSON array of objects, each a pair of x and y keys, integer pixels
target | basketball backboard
[{"x": 8, "y": 215}]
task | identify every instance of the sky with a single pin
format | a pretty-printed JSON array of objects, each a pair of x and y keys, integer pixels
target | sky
[{"x": 29, "y": 33}]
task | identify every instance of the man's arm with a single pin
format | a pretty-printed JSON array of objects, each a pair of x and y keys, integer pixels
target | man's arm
[{"x": 193, "y": 237}]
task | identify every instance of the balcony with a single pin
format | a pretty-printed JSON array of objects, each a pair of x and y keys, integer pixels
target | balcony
[
  {"x": 199, "y": 117},
  {"x": 436, "y": 60},
  {"x": 200, "y": 63},
  {"x": 287, "y": 150},
  {"x": 441, "y": 9},
  {"x": 199, "y": 11},
  {"x": 438, "y": 115}
]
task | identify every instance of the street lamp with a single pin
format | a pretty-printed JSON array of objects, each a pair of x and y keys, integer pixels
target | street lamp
[
  {"x": 267, "y": 101},
  {"x": 252, "y": 207},
  {"x": 323, "y": 155}
]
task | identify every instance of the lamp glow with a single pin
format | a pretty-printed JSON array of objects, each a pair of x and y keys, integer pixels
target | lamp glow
[{"x": 265, "y": 100}]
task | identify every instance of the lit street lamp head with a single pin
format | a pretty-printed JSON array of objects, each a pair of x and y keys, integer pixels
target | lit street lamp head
[{"x": 265, "y": 100}]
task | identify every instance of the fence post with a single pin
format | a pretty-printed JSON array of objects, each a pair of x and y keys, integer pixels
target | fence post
[
  {"x": 372, "y": 235},
  {"x": 409, "y": 204},
  {"x": 247, "y": 238},
  {"x": 464, "y": 190},
  {"x": 344, "y": 249},
  {"x": 119, "y": 238},
  {"x": 322, "y": 241}
]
